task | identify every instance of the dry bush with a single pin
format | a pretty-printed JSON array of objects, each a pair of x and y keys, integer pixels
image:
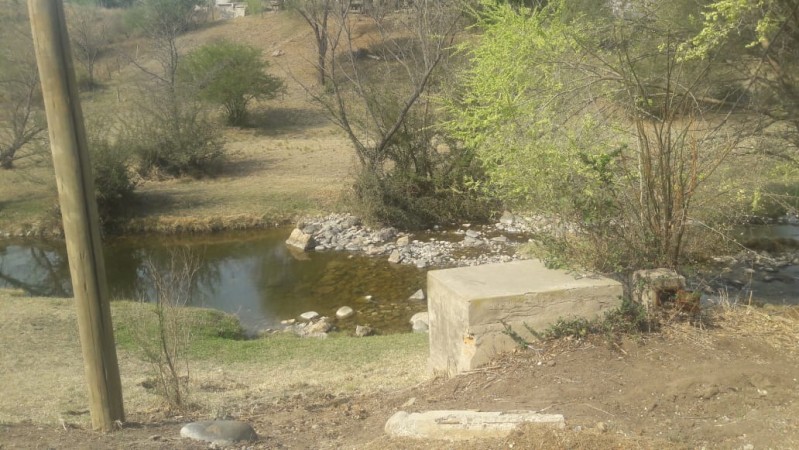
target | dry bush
[{"x": 164, "y": 332}]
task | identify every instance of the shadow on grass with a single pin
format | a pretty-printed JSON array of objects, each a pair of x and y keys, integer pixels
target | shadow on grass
[
  {"x": 242, "y": 167},
  {"x": 280, "y": 120},
  {"x": 157, "y": 202}
]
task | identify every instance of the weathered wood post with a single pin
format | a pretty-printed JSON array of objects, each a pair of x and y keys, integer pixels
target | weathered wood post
[{"x": 78, "y": 210}]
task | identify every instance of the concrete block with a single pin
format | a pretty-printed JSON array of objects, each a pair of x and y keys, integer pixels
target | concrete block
[
  {"x": 462, "y": 425},
  {"x": 651, "y": 287},
  {"x": 468, "y": 305}
]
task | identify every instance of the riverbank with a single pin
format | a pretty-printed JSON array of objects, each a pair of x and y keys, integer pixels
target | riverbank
[
  {"x": 729, "y": 383},
  {"x": 43, "y": 375}
]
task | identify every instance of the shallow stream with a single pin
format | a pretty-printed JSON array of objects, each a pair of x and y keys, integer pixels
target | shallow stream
[
  {"x": 257, "y": 277},
  {"x": 253, "y": 275}
]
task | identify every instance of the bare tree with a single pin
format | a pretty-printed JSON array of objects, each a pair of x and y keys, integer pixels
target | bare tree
[
  {"x": 375, "y": 91},
  {"x": 89, "y": 34},
  {"x": 20, "y": 124},
  {"x": 383, "y": 75},
  {"x": 316, "y": 14}
]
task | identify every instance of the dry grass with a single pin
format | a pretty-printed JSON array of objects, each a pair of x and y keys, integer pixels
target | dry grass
[
  {"x": 774, "y": 326},
  {"x": 42, "y": 371},
  {"x": 290, "y": 162}
]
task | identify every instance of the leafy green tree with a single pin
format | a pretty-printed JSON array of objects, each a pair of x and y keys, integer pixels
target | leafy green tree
[
  {"x": 231, "y": 75},
  {"x": 601, "y": 126}
]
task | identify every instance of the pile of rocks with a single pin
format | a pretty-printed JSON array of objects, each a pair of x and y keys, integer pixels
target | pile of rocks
[{"x": 462, "y": 247}]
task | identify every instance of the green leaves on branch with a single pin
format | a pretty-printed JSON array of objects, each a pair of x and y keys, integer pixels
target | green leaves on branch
[
  {"x": 231, "y": 75},
  {"x": 594, "y": 124}
]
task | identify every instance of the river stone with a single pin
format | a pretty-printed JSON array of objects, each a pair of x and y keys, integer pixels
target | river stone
[
  {"x": 403, "y": 241},
  {"x": 395, "y": 257},
  {"x": 310, "y": 315},
  {"x": 418, "y": 295},
  {"x": 506, "y": 219},
  {"x": 319, "y": 327},
  {"x": 420, "y": 322},
  {"x": 219, "y": 432},
  {"x": 300, "y": 240},
  {"x": 363, "y": 330},
  {"x": 344, "y": 312}
]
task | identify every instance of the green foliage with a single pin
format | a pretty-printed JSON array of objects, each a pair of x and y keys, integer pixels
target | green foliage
[
  {"x": 113, "y": 184},
  {"x": 629, "y": 318},
  {"x": 411, "y": 201},
  {"x": 593, "y": 124},
  {"x": 232, "y": 75},
  {"x": 255, "y": 7},
  {"x": 173, "y": 137}
]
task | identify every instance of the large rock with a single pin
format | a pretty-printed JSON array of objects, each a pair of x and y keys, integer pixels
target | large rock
[
  {"x": 219, "y": 432},
  {"x": 344, "y": 312},
  {"x": 301, "y": 240},
  {"x": 469, "y": 308},
  {"x": 463, "y": 425}
]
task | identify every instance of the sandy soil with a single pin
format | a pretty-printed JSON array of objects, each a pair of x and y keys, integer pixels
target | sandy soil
[{"x": 731, "y": 383}]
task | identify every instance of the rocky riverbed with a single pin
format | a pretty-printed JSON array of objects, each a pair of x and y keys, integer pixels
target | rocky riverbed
[
  {"x": 465, "y": 245},
  {"x": 769, "y": 273}
]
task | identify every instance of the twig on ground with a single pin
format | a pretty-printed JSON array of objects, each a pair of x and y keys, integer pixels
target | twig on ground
[{"x": 600, "y": 410}]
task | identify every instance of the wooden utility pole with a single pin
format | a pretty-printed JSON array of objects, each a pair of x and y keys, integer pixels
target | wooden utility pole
[{"x": 78, "y": 210}]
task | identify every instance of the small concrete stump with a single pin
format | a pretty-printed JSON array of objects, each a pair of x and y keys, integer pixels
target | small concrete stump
[
  {"x": 469, "y": 307},
  {"x": 462, "y": 425},
  {"x": 652, "y": 287},
  {"x": 219, "y": 432}
]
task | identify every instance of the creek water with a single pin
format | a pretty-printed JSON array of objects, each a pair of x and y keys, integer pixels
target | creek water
[
  {"x": 257, "y": 277},
  {"x": 253, "y": 275}
]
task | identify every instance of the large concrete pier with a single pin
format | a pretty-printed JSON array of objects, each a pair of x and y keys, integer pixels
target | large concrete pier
[{"x": 469, "y": 306}]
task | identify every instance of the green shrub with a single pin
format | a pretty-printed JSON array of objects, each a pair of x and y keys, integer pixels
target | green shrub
[
  {"x": 114, "y": 187},
  {"x": 629, "y": 318},
  {"x": 231, "y": 75},
  {"x": 175, "y": 140}
]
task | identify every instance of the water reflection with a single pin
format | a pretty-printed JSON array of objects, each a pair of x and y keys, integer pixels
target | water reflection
[
  {"x": 253, "y": 275},
  {"x": 41, "y": 270}
]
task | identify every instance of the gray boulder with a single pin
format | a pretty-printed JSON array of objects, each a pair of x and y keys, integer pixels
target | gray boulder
[{"x": 219, "y": 432}]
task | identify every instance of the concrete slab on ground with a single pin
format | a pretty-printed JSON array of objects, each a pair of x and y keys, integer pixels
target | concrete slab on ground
[
  {"x": 469, "y": 308},
  {"x": 462, "y": 425}
]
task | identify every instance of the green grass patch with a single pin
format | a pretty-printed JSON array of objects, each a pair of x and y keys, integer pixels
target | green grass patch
[{"x": 218, "y": 337}]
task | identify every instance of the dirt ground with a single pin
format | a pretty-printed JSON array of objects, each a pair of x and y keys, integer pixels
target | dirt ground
[{"x": 731, "y": 383}]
